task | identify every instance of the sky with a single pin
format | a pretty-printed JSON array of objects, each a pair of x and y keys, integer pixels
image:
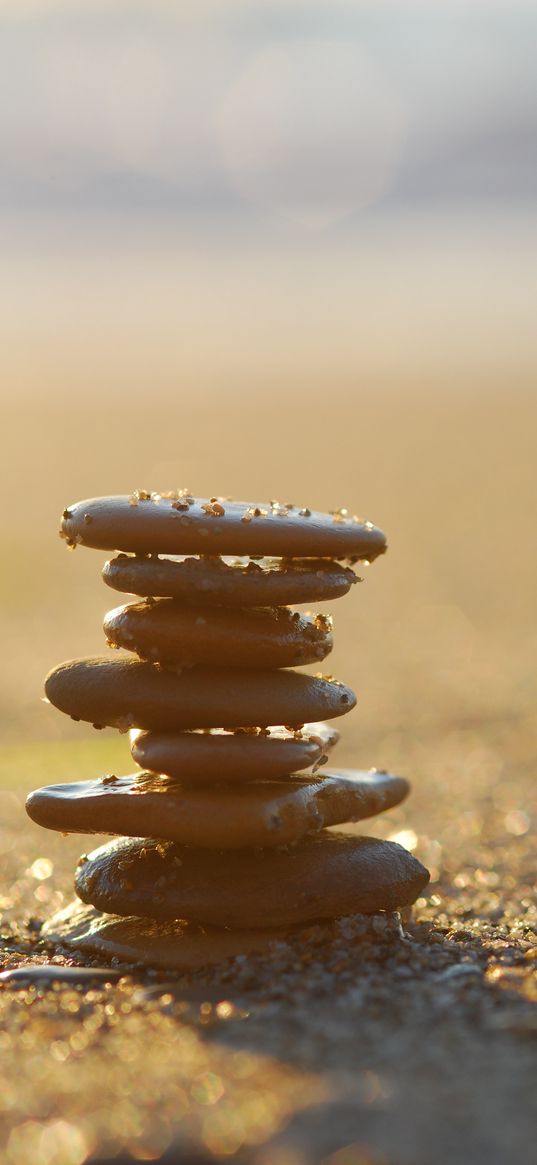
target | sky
[
  {"x": 328, "y": 191},
  {"x": 308, "y": 112}
]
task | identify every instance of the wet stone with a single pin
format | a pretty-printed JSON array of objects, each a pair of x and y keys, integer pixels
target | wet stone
[{"x": 255, "y": 813}]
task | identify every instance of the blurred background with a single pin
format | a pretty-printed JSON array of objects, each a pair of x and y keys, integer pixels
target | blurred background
[
  {"x": 281, "y": 251},
  {"x": 285, "y": 249}
]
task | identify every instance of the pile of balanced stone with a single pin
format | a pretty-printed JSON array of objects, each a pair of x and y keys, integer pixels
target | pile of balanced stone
[{"x": 223, "y": 839}]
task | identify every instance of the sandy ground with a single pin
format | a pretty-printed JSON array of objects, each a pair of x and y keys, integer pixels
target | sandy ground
[
  {"x": 371, "y": 1045},
  {"x": 366, "y": 1043}
]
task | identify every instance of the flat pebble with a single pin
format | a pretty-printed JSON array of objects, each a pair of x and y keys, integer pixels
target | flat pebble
[
  {"x": 154, "y": 524},
  {"x": 166, "y": 631},
  {"x": 128, "y": 693},
  {"x": 176, "y": 945},
  {"x": 326, "y": 875},
  {"x": 232, "y": 582},
  {"x": 255, "y": 813},
  {"x": 220, "y": 755},
  {"x": 45, "y": 974}
]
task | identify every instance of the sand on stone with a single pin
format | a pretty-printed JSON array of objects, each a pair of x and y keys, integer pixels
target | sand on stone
[
  {"x": 325, "y": 875},
  {"x": 231, "y": 582},
  {"x": 165, "y": 631},
  {"x": 220, "y": 755},
  {"x": 157, "y": 524}
]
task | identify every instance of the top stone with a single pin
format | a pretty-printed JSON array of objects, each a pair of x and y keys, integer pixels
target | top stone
[{"x": 176, "y": 523}]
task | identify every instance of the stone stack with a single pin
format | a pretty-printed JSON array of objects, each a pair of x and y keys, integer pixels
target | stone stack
[{"x": 223, "y": 842}]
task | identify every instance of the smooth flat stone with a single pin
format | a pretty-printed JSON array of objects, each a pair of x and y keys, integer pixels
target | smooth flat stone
[
  {"x": 164, "y": 631},
  {"x": 178, "y": 946},
  {"x": 181, "y": 524},
  {"x": 271, "y": 582},
  {"x": 127, "y": 693},
  {"x": 219, "y": 755},
  {"x": 325, "y": 875},
  {"x": 45, "y": 974},
  {"x": 255, "y": 813}
]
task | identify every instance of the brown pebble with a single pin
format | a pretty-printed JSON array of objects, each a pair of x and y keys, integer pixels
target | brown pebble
[
  {"x": 219, "y": 755},
  {"x": 326, "y": 875},
  {"x": 254, "y": 813},
  {"x": 178, "y": 946},
  {"x": 128, "y": 693},
  {"x": 150, "y": 524},
  {"x": 171, "y": 632},
  {"x": 270, "y": 582}
]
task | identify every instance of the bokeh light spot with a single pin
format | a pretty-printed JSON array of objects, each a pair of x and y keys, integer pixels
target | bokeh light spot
[{"x": 313, "y": 130}]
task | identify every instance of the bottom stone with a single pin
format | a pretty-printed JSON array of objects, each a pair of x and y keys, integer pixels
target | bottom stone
[{"x": 178, "y": 946}]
